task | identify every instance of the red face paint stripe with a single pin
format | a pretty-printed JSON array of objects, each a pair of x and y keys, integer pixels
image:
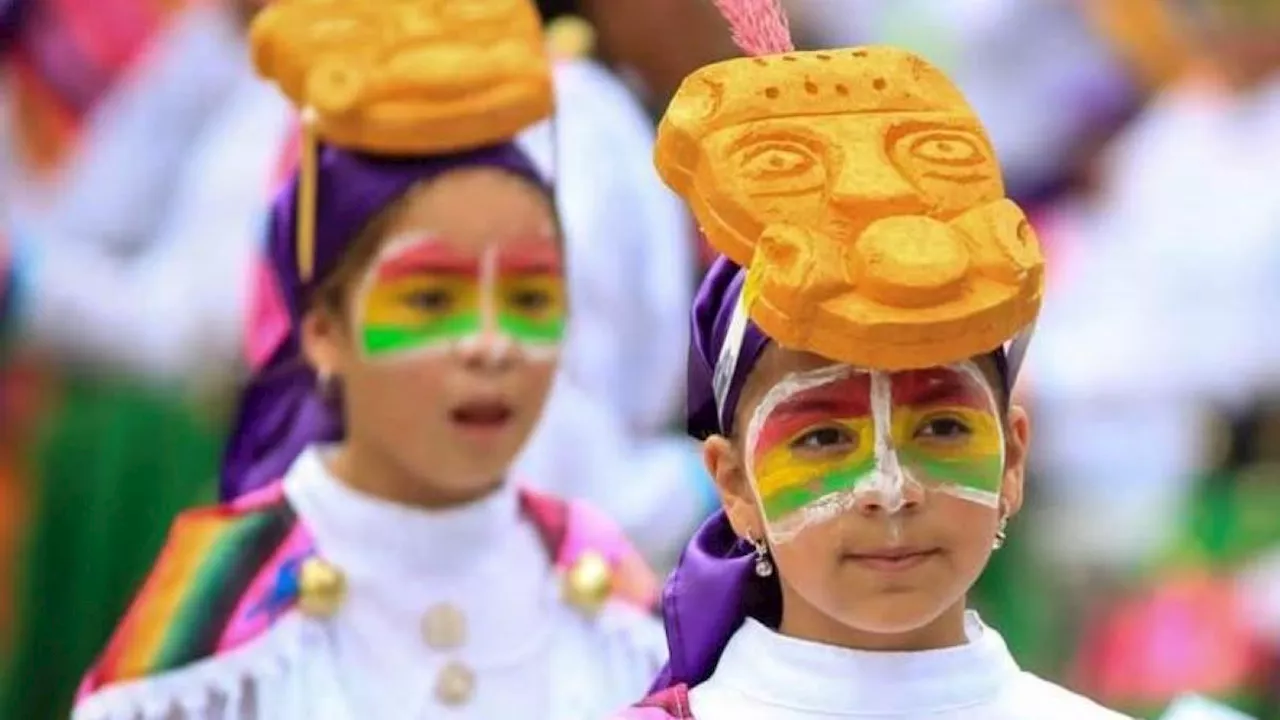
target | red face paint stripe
[
  {"x": 530, "y": 257},
  {"x": 939, "y": 387},
  {"x": 842, "y": 399},
  {"x": 427, "y": 257}
]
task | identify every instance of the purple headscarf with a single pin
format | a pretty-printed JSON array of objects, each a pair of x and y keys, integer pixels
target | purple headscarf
[
  {"x": 712, "y": 313},
  {"x": 281, "y": 410},
  {"x": 714, "y": 586},
  {"x": 12, "y": 13}
]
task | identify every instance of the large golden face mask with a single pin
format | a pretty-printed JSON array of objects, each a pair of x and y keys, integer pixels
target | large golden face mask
[
  {"x": 863, "y": 194},
  {"x": 397, "y": 76}
]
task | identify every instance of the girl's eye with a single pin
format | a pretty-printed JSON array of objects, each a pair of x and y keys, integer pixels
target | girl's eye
[
  {"x": 944, "y": 428},
  {"x": 530, "y": 301},
  {"x": 436, "y": 301},
  {"x": 824, "y": 440}
]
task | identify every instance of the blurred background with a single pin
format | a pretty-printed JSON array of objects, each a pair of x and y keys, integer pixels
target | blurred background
[{"x": 1143, "y": 136}]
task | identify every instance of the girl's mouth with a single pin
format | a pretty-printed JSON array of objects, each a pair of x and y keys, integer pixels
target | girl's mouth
[
  {"x": 481, "y": 416},
  {"x": 893, "y": 560}
]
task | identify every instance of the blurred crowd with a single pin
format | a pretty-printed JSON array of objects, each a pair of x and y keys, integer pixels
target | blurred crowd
[{"x": 1143, "y": 136}]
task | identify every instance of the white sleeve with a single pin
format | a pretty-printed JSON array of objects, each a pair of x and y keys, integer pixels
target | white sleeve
[
  {"x": 179, "y": 309},
  {"x": 119, "y": 184}
]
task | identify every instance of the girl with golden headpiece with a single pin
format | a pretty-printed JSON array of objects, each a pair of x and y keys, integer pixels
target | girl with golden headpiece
[
  {"x": 393, "y": 571},
  {"x": 176, "y": 309},
  {"x": 853, "y": 352}
]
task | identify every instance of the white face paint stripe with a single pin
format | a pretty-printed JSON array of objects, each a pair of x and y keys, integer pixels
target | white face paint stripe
[{"x": 888, "y": 474}]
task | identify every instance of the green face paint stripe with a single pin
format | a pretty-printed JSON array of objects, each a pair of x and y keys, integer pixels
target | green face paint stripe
[
  {"x": 380, "y": 339},
  {"x": 521, "y": 328},
  {"x": 788, "y": 500},
  {"x": 984, "y": 473}
]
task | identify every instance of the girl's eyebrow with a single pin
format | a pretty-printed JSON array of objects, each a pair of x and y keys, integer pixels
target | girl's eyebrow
[
  {"x": 427, "y": 256},
  {"x": 533, "y": 256},
  {"x": 936, "y": 387},
  {"x": 843, "y": 400}
]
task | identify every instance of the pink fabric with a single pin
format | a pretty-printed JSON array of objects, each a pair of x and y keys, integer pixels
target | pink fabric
[
  {"x": 111, "y": 32},
  {"x": 669, "y": 704},
  {"x": 268, "y": 323},
  {"x": 259, "y": 499},
  {"x": 1186, "y": 635},
  {"x": 645, "y": 713},
  {"x": 590, "y": 530}
]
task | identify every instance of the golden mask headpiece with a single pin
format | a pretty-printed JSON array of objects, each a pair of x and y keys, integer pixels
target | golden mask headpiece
[
  {"x": 402, "y": 78},
  {"x": 861, "y": 193}
]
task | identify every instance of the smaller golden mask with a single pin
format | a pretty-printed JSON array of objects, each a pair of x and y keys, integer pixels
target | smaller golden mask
[
  {"x": 408, "y": 76},
  {"x": 863, "y": 195}
]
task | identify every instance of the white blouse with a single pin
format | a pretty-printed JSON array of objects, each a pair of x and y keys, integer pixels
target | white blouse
[
  {"x": 763, "y": 674},
  {"x": 452, "y": 613}
]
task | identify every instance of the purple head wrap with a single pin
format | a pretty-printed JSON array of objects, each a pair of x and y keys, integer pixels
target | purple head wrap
[
  {"x": 281, "y": 411},
  {"x": 712, "y": 314},
  {"x": 714, "y": 586},
  {"x": 12, "y": 13}
]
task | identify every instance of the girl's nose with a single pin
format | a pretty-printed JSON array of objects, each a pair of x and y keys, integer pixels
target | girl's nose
[
  {"x": 908, "y": 496},
  {"x": 488, "y": 352}
]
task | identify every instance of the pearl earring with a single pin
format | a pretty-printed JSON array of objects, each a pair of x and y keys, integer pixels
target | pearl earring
[
  {"x": 1001, "y": 534},
  {"x": 764, "y": 566}
]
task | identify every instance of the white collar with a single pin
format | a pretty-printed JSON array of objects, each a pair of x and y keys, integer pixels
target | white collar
[
  {"x": 782, "y": 671},
  {"x": 358, "y": 531}
]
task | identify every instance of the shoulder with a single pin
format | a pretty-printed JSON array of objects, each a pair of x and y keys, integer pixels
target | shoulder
[
  {"x": 224, "y": 578},
  {"x": 1056, "y": 702},
  {"x": 596, "y": 561},
  {"x": 605, "y": 585}
]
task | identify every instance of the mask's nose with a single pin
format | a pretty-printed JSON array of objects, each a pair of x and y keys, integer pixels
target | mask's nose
[{"x": 864, "y": 191}]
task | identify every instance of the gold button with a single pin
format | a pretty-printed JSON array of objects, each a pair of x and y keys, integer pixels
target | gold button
[
  {"x": 444, "y": 627},
  {"x": 455, "y": 685},
  {"x": 588, "y": 583},
  {"x": 321, "y": 588}
]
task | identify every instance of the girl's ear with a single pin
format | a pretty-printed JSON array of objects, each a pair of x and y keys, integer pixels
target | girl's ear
[
  {"x": 325, "y": 342},
  {"x": 724, "y": 464},
  {"x": 1015, "y": 464}
]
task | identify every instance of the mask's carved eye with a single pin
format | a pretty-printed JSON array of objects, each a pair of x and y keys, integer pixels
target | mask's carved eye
[
  {"x": 947, "y": 148},
  {"x": 780, "y": 167}
]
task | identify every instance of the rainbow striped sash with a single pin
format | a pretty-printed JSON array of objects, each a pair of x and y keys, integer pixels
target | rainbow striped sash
[{"x": 225, "y": 574}]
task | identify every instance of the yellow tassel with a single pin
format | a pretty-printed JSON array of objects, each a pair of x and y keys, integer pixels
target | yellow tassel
[
  {"x": 308, "y": 172},
  {"x": 570, "y": 37}
]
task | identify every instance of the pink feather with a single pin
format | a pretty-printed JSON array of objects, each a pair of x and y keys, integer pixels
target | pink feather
[{"x": 759, "y": 26}]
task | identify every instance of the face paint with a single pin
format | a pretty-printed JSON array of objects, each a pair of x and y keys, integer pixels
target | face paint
[
  {"x": 419, "y": 294},
  {"x": 531, "y": 302},
  {"x": 422, "y": 295},
  {"x": 820, "y": 440}
]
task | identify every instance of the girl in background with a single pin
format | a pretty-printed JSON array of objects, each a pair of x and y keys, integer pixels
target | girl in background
[{"x": 394, "y": 571}]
